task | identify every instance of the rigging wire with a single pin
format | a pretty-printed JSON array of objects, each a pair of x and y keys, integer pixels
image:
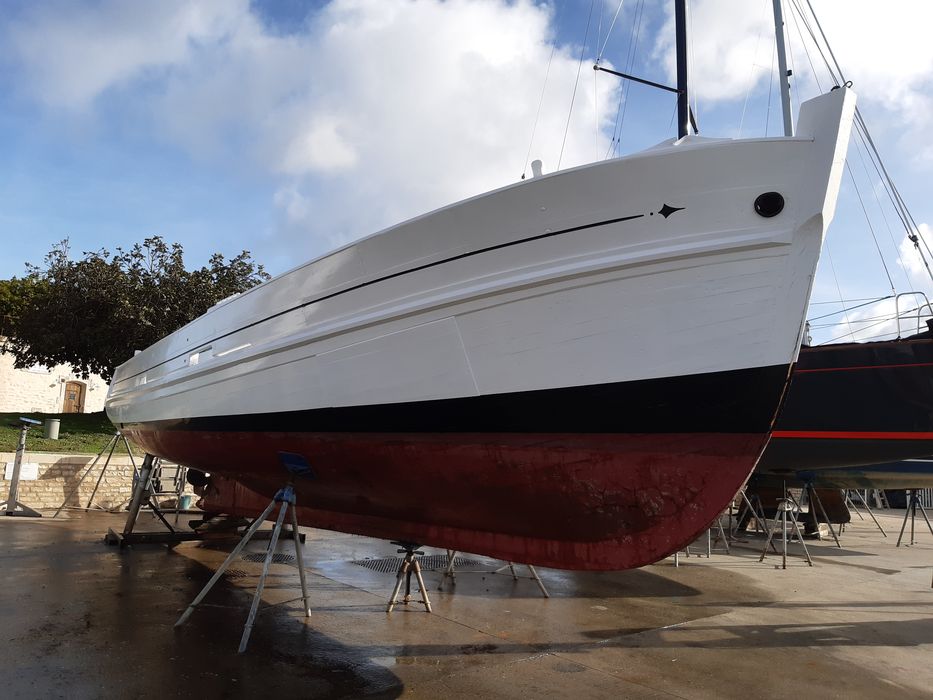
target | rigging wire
[
  {"x": 770, "y": 90},
  {"x": 612, "y": 24},
  {"x": 832, "y": 267},
  {"x": 547, "y": 73},
  {"x": 848, "y": 301},
  {"x": 573, "y": 97},
  {"x": 912, "y": 230},
  {"x": 751, "y": 73},
  {"x": 803, "y": 42},
  {"x": 691, "y": 53},
  {"x": 793, "y": 66},
  {"x": 616, "y": 143},
  {"x": 846, "y": 309},
  {"x": 874, "y": 191},
  {"x": 870, "y": 227},
  {"x": 896, "y": 333}
]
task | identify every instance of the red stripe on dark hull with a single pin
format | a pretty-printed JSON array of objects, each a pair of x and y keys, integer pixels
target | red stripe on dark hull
[
  {"x": 573, "y": 501},
  {"x": 854, "y": 404}
]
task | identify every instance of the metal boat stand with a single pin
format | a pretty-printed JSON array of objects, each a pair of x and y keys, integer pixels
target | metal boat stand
[
  {"x": 111, "y": 446},
  {"x": 913, "y": 504},
  {"x": 285, "y": 497},
  {"x": 408, "y": 567},
  {"x": 853, "y": 507},
  {"x": 786, "y": 507},
  {"x": 710, "y": 540},
  {"x": 813, "y": 499},
  {"x": 748, "y": 507},
  {"x": 11, "y": 506},
  {"x": 142, "y": 494},
  {"x": 534, "y": 576},
  {"x": 450, "y": 573}
]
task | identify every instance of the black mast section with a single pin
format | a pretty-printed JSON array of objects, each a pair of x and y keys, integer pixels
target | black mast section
[{"x": 683, "y": 100}]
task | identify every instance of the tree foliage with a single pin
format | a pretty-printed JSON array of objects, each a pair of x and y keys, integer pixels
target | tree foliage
[{"x": 94, "y": 312}]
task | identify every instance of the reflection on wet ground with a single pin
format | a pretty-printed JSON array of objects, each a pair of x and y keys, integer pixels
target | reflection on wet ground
[{"x": 85, "y": 620}]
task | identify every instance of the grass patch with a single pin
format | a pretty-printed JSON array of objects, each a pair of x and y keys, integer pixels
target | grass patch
[{"x": 80, "y": 433}]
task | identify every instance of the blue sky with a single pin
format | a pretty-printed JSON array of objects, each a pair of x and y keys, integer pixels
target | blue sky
[{"x": 289, "y": 127}]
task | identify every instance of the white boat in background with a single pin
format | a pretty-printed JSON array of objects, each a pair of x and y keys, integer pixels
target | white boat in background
[{"x": 578, "y": 370}]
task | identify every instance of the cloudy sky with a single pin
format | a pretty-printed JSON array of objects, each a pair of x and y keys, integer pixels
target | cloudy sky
[{"x": 291, "y": 126}]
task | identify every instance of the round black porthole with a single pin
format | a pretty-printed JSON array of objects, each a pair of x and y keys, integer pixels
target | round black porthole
[{"x": 769, "y": 204}]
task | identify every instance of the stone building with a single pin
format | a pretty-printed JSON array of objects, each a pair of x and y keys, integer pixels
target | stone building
[{"x": 48, "y": 390}]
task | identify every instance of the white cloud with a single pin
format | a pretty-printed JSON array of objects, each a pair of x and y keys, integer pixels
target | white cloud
[
  {"x": 911, "y": 260},
  {"x": 378, "y": 110},
  {"x": 72, "y": 52},
  {"x": 884, "y": 48}
]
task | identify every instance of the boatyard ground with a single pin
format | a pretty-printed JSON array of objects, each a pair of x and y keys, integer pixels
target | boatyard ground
[{"x": 83, "y": 620}]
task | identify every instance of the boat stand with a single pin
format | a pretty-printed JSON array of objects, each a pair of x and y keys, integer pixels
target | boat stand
[
  {"x": 142, "y": 494},
  {"x": 912, "y": 505},
  {"x": 853, "y": 507},
  {"x": 111, "y": 446},
  {"x": 534, "y": 576},
  {"x": 749, "y": 510},
  {"x": 285, "y": 497},
  {"x": 11, "y": 506},
  {"x": 786, "y": 507},
  {"x": 450, "y": 573},
  {"x": 710, "y": 540},
  {"x": 813, "y": 498},
  {"x": 720, "y": 537},
  {"x": 408, "y": 567}
]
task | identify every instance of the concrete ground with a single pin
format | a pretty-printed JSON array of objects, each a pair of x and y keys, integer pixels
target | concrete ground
[{"x": 84, "y": 620}]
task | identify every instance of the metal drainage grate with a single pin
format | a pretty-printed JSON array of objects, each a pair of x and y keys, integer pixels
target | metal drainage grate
[
  {"x": 430, "y": 562},
  {"x": 277, "y": 558},
  {"x": 235, "y": 573}
]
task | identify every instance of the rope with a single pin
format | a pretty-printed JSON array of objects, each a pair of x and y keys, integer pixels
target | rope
[{"x": 573, "y": 97}]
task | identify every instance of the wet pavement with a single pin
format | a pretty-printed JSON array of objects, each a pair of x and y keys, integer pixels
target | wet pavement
[{"x": 84, "y": 620}]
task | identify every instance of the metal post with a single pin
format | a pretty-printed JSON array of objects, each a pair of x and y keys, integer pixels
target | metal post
[
  {"x": 257, "y": 596},
  {"x": 223, "y": 567},
  {"x": 870, "y": 512},
  {"x": 113, "y": 446},
  {"x": 301, "y": 566},
  {"x": 141, "y": 491},
  {"x": 783, "y": 74},
  {"x": 12, "y": 502},
  {"x": 13, "y": 498},
  {"x": 815, "y": 500},
  {"x": 784, "y": 538},
  {"x": 683, "y": 98}
]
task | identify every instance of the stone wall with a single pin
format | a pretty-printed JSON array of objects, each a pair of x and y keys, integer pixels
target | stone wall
[
  {"x": 42, "y": 390},
  {"x": 58, "y": 474}
]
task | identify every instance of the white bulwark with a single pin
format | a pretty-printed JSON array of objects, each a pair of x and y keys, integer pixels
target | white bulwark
[{"x": 48, "y": 390}]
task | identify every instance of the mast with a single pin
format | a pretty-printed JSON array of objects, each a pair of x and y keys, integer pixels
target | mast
[
  {"x": 683, "y": 99},
  {"x": 783, "y": 73}
]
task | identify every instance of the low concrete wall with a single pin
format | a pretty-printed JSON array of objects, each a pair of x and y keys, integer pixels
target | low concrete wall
[{"x": 58, "y": 474}]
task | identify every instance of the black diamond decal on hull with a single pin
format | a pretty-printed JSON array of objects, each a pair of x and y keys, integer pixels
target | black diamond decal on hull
[{"x": 667, "y": 210}]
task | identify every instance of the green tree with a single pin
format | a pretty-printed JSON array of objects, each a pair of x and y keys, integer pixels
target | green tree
[{"x": 92, "y": 313}]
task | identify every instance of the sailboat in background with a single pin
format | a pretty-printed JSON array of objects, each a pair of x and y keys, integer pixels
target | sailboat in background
[{"x": 578, "y": 370}]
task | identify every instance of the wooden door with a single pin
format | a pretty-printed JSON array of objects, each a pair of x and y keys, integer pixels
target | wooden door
[{"x": 74, "y": 398}]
